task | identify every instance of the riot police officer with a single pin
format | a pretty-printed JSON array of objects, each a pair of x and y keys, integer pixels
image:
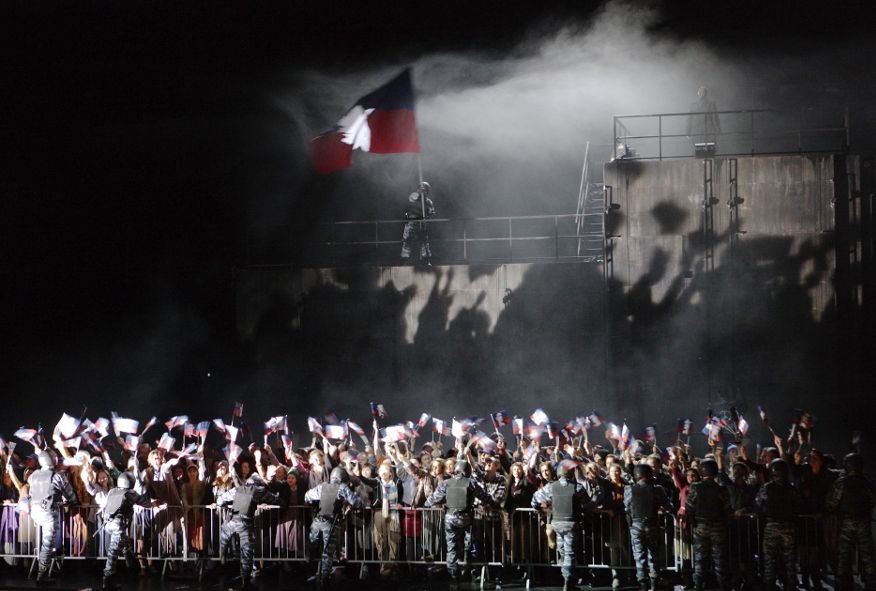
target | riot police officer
[
  {"x": 851, "y": 496},
  {"x": 331, "y": 498},
  {"x": 118, "y": 510},
  {"x": 707, "y": 507},
  {"x": 459, "y": 492},
  {"x": 244, "y": 501},
  {"x": 642, "y": 500},
  {"x": 778, "y": 501},
  {"x": 567, "y": 498},
  {"x": 47, "y": 489}
]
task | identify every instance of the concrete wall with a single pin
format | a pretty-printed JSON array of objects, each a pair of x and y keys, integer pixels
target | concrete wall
[
  {"x": 787, "y": 207},
  {"x": 666, "y": 333}
]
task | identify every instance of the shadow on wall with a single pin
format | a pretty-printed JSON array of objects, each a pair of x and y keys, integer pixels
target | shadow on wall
[{"x": 744, "y": 334}]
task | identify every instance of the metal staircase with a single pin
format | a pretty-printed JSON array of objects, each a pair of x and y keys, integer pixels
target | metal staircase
[{"x": 590, "y": 214}]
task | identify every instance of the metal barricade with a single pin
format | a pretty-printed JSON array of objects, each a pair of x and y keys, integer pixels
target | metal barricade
[
  {"x": 603, "y": 542},
  {"x": 406, "y": 536},
  {"x": 744, "y": 547}
]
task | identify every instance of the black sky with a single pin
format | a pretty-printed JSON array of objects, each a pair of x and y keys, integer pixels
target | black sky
[{"x": 127, "y": 162}]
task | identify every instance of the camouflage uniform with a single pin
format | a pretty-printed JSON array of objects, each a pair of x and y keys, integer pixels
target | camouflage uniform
[
  {"x": 708, "y": 505},
  {"x": 459, "y": 492},
  {"x": 118, "y": 511},
  {"x": 851, "y": 496},
  {"x": 330, "y": 497},
  {"x": 778, "y": 501},
  {"x": 244, "y": 500},
  {"x": 47, "y": 489},
  {"x": 567, "y": 498},
  {"x": 641, "y": 501}
]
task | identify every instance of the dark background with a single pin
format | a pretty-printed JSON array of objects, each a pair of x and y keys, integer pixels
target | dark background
[{"x": 138, "y": 141}]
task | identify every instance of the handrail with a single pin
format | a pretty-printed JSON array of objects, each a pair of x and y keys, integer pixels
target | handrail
[
  {"x": 551, "y": 238},
  {"x": 752, "y": 134},
  {"x": 583, "y": 188}
]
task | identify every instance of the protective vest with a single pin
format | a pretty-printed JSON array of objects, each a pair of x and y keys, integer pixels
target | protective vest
[
  {"x": 243, "y": 500},
  {"x": 855, "y": 501},
  {"x": 710, "y": 501},
  {"x": 41, "y": 489},
  {"x": 115, "y": 500},
  {"x": 779, "y": 502},
  {"x": 563, "y": 502},
  {"x": 643, "y": 506},
  {"x": 414, "y": 210},
  {"x": 457, "y": 494},
  {"x": 328, "y": 499}
]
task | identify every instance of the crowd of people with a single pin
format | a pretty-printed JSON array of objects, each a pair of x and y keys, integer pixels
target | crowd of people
[{"x": 109, "y": 479}]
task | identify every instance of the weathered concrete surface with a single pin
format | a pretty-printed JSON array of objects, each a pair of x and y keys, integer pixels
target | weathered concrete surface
[{"x": 662, "y": 209}]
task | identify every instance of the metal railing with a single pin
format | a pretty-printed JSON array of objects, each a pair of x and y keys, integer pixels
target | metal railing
[
  {"x": 489, "y": 240},
  {"x": 731, "y": 133},
  {"x": 413, "y": 536}
]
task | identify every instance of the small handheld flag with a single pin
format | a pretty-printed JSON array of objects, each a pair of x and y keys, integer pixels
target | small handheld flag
[
  {"x": 122, "y": 425},
  {"x": 596, "y": 419},
  {"x": 539, "y": 417},
  {"x": 517, "y": 426},
  {"x": 335, "y": 432},
  {"x": 378, "y": 411},
  {"x": 173, "y": 422},
  {"x": 132, "y": 442},
  {"x": 67, "y": 426},
  {"x": 166, "y": 442},
  {"x": 313, "y": 425},
  {"x": 152, "y": 422}
]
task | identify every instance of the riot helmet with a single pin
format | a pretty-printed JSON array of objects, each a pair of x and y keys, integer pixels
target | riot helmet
[
  {"x": 709, "y": 468},
  {"x": 643, "y": 472},
  {"x": 779, "y": 470},
  {"x": 46, "y": 459},
  {"x": 125, "y": 481},
  {"x": 853, "y": 463},
  {"x": 338, "y": 476}
]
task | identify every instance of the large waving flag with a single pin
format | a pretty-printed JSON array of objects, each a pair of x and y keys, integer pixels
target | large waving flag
[{"x": 381, "y": 122}]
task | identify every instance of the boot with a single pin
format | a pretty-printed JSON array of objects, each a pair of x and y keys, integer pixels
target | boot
[
  {"x": 568, "y": 584},
  {"x": 43, "y": 579}
]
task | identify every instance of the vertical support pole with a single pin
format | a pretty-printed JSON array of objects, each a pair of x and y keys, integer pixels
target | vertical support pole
[
  {"x": 751, "y": 130},
  {"x": 660, "y": 136},
  {"x": 614, "y": 135}
]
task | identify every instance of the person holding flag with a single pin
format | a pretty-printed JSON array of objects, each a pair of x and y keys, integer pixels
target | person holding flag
[{"x": 415, "y": 237}]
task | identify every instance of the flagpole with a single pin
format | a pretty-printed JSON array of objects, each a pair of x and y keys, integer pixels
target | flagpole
[{"x": 419, "y": 186}]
